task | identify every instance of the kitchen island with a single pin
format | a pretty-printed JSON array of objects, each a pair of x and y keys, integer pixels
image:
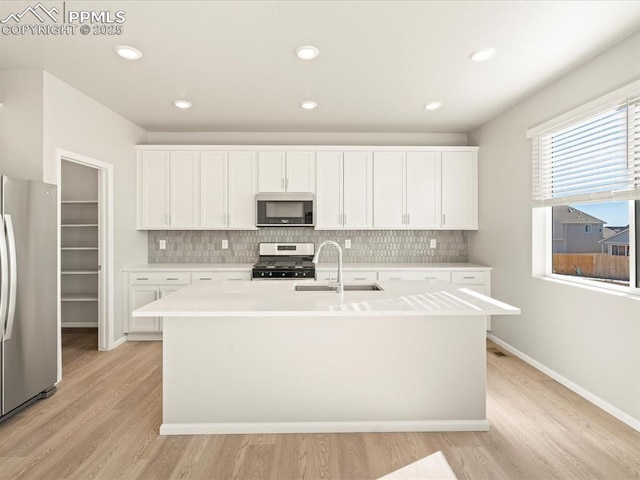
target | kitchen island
[{"x": 261, "y": 357}]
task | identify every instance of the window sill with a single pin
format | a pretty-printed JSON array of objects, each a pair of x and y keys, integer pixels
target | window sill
[{"x": 618, "y": 291}]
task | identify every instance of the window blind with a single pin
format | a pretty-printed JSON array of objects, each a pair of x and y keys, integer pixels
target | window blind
[{"x": 593, "y": 157}]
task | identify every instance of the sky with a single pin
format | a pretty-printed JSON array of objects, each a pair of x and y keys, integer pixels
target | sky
[{"x": 612, "y": 213}]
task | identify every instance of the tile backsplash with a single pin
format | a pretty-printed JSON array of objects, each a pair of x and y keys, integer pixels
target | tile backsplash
[{"x": 367, "y": 246}]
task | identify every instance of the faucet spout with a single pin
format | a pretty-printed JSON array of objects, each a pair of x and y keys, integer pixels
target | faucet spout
[{"x": 340, "y": 287}]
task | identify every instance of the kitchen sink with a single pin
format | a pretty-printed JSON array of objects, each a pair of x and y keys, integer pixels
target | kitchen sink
[{"x": 354, "y": 287}]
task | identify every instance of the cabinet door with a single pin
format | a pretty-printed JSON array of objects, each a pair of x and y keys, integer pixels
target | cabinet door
[
  {"x": 271, "y": 172},
  {"x": 213, "y": 190},
  {"x": 185, "y": 189},
  {"x": 301, "y": 169},
  {"x": 459, "y": 191},
  {"x": 242, "y": 190},
  {"x": 423, "y": 190},
  {"x": 328, "y": 207},
  {"x": 388, "y": 190},
  {"x": 139, "y": 297},
  {"x": 153, "y": 190},
  {"x": 357, "y": 190}
]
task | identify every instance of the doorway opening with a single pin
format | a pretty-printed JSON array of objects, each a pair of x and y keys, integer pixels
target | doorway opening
[{"x": 86, "y": 248}]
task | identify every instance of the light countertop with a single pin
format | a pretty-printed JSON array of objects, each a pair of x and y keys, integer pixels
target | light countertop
[
  {"x": 194, "y": 267},
  {"x": 278, "y": 298}
]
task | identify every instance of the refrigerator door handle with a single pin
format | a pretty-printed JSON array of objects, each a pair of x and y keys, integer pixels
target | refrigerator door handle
[
  {"x": 13, "y": 277},
  {"x": 4, "y": 277}
]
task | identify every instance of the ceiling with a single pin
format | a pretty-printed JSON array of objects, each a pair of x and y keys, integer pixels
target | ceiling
[{"x": 380, "y": 62}]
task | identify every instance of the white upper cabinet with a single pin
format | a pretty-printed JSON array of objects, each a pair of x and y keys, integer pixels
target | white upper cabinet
[
  {"x": 185, "y": 190},
  {"x": 459, "y": 190},
  {"x": 388, "y": 190},
  {"x": 169, "y": 190},
  {"x": 286, "y": 172},
  {"x": 201, "y": 187},
  {"x": 426, "y": 189},
  {"x": 328, "y": 206},
  {"x": 213, "y": 187},
  {"x": 153, "y": 190},
  {"x": 343, "y": 190},
  {"x": 228, "y": 190},
  {"x": 242, "y": 184},
  {"x": 422, "y": 186}
]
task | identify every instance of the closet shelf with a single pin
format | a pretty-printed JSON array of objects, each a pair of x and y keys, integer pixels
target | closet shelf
[
  {"x": 66, "y": 202},
  {"x": 78, "y": 248},
  {"x": 79, "y": 298},
  {"x": 79, "y": 225},
  {"x": 79, "y": 272}
]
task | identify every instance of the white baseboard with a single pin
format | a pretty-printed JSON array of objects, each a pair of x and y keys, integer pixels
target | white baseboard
[
  {"x": 79, "y": 324},
  {"x": 324, "y": 427},
  {"x": 587, "y": 395},
  {"x": 143, "y": 337},
  {"x": 117, "y": 343}
]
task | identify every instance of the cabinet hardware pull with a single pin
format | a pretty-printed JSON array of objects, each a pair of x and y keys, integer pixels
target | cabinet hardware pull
[
  {"x": 444, "y": 218},
  {"x": 172, "y": 278},
  {"x": 142, "y": 278},
  {"x": 396, "y": 278},
  {"x": 360, "y": 278},
  {"x": 345, "y": 219},
  {"x": 235, "y": 279},
  {"x": 206, "y": 278},
  {"x": 430, "y": 278},
  {"x": 408, "y": 218},
  {"x": 468, "y": 278}
]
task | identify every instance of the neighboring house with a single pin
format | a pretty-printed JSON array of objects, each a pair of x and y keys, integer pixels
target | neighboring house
[
  {"x": 575, "y": 231},
  {"x": 611, "y": 231},
  {"x": 617, "y": 244}
]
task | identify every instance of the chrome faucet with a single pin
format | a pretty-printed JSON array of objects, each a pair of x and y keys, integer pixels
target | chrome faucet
[{"x": 340, "y": 287}]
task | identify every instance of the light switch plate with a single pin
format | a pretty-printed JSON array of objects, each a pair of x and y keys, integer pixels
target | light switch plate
[
  {"x": 347, "y": 243},
  {"x": 225, "y": 244},
  {"x": 432, "y": 243},
  {"x": 163, "y": 245}
]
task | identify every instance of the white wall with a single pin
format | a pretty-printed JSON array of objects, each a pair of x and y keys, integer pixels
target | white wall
[
  {"x": 305, "y": 138},
  {"x": 590, "y": 338},
  {"x": 21, "y": 123},
  {"x": 77, "y": 123}
]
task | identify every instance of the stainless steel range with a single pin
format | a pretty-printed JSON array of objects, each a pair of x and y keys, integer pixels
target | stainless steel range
[{"x": 285, "y": 261}]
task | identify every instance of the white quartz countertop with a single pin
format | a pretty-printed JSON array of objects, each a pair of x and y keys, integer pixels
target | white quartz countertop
[
  {"x": 278, "y": 298},
  {"x": 193, "y": 267},
  {"x": 189, "y": 267}
]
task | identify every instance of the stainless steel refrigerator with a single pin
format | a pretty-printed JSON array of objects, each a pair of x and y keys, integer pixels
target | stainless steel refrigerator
[{"x": 28, "y": 292}]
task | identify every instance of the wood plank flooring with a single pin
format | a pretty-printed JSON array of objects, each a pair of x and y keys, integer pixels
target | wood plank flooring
[{"x": 103, "y": 424}]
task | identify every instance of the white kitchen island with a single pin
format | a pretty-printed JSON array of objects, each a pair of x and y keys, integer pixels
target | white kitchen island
[{"x": 259, "y": 357}]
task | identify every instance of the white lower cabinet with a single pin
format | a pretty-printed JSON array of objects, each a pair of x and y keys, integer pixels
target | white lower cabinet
[
  {"x": 349, "y": 275},
  {"x": 142, "y": 288}
]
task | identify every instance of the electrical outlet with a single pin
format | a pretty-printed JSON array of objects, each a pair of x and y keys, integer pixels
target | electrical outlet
[
  {"x": 347, "y": 243},
  {"x": 163, "y": 245},
  {"x": 225, "y": 244},
  {"x": 432, "y": 243}
]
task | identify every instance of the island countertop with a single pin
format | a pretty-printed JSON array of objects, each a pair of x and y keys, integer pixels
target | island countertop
[{"x": 279, "y": 299}]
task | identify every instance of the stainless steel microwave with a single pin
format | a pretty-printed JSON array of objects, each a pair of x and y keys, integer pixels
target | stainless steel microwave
[{"x": 284, "y": 209}]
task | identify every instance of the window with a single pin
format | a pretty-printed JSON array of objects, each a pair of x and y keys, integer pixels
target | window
[{"x": 586, "y": 184}]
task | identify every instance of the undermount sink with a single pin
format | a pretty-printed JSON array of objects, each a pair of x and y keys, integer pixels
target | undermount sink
[{"x": 354, "y": 287}]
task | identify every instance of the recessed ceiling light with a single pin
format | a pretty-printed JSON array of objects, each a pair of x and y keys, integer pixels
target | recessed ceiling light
[
  {"x": 130, "y": 53},
  {"x": 309, "y": 105},
  {"x": 482, "y": 54},
  {"x": 433, "y": 105},
  {"x": 307, "y": 52},
  {"x": 182, "y": 104}
]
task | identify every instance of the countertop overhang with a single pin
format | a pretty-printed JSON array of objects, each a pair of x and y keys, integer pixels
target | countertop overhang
[{"x": 278, "y": 298}]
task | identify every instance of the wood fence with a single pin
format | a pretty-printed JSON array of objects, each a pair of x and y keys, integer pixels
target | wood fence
[{"x": 594, "y": 265}]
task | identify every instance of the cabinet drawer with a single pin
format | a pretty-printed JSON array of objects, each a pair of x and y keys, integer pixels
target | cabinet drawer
[
  {"x": 468, "y": 278},
  {"x": 220, "y": 275},
  {"x": 414, "y": 275},
  {"x": 360, "y": 276},
  {"x": 160, "y": 278}
]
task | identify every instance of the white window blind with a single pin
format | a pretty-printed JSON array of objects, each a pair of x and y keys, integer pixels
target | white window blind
[{"x": 591, "y": 157}]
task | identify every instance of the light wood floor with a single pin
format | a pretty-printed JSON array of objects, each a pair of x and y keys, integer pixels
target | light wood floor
[{"x": 103, "y": 423}]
